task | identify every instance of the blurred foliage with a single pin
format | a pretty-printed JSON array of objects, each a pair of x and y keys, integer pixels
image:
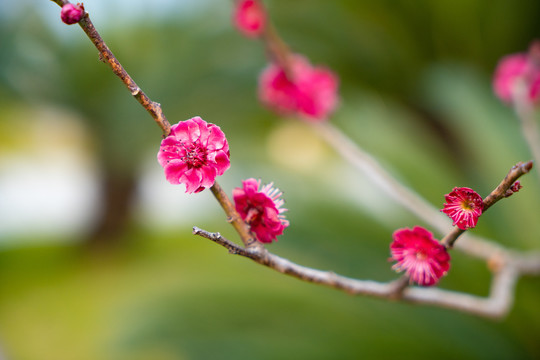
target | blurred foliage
[{"x": 415, "y": 93}]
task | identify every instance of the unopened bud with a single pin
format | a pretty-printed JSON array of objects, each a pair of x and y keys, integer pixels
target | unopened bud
[
  {"x": 513, "y": 189},
  {"x": 72, "y": 14},
  {"x": 250, "y": 17}
]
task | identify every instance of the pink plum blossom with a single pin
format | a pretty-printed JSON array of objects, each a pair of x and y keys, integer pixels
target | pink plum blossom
[
  {"x": 463, "y": 205},
  {"x": 261, "y": 208},
  {"x": 520, "y": 66},
  {"x": 194, "y": 153},
  {"x": 250, "y": 17},
  {"x": 72, "y": 14},
  {"x": 421, "y": 256},
  {"x": 307, "y": 91}
]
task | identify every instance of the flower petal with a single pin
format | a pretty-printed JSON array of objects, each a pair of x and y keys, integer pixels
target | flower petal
[
  {"x": 174, "y": 171},
  {"x": 192, "y": 178}
]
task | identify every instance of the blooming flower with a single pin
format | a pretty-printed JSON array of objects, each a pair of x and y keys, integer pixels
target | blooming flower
[
  {"x": 422, "y": 257},
  {"x": 72, "y": 14},
  {"x": 194, "y": 153},
  {"x": 250, "y": 17},
  {"x": 464, "y": 206},
  {"x": 307, "y": 91},
  {"x": 520, "y": 66},
  {"x": 261, "y": 209}
]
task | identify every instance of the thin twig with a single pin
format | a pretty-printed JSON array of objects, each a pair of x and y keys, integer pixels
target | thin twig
[
  {"x": 525, "y": 112},
  {"x": 106, "y": 55},
  {"x": 277, "y": 49},
  {"x": 527, "y": 263},
  {"x": 262, "y": 256},
  {"x": 515, "y": 173},
  {"x": 496, "y": 305},
  {"x": 362, "y": 160}
]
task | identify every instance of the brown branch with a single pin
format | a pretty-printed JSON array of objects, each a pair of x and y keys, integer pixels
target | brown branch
[
  {"x": 262, "y": 256},
  {"x": 156, "y": 112},
  {"x": 507, "y": 266},
  {"x": 515, "y": 173},
  {"x": 277, "y": 49},
  {"x": 527, "y": 263},
  {"x": 106, "y": 55},
  {"x": 495, "y": 305}
]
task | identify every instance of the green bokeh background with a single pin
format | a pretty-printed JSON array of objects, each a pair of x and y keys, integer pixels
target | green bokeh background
[{"x": 415, "y": 92}]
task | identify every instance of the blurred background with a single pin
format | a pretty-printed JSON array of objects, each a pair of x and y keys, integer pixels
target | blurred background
[{"x": 97, "y": 260}]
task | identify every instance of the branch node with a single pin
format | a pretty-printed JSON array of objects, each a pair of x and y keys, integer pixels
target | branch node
[
  {"x": 397, "y": 287},
  {"x": 497, "y": 262},
  {"x": 333, "y": 278}
]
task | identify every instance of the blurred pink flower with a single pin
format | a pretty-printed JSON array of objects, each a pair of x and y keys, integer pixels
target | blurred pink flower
[
  {"x": 194, "y": 153},
  {"x": 422, "y": 257},
  {"x": 464, "y": 206},
  {"x": 250, "y": 17},
  {"x": 72, "y": 14},
  {"x": 261, "y": 209},
  {"x": 309, "y": 92},
  {"x": 513, "y": 67}
]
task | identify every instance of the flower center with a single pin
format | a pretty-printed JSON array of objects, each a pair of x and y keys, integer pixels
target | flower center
[
  {"x": 421, "y": 256},
  {"x": 253, "y": 214},
  {"x": 466, "y": 205},
  {"x": 194, "y": 155}
]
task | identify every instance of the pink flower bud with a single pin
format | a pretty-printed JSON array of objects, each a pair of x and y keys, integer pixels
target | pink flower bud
[
  {"x": 250, "y": 17},
  {"x": 72, "y": 14}
]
